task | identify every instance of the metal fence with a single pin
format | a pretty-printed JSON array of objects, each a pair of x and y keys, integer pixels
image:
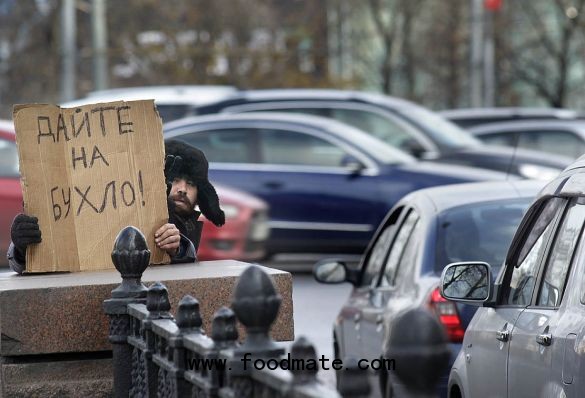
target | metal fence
[{"x": 158, "y": 355}]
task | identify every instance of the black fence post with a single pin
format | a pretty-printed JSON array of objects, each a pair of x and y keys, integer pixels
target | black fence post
[
  {"x": 130, "y": 257},
  {"x": 302, "y": 351},
  {"x": 418, "y": 345},
  {"x": 224, "y": 333},
  {"x": 256, "y": 303},
  {"x": 353, "y": 382},
  {"x": 188, "y": 321},
  {"x": 158, "y": 306}
]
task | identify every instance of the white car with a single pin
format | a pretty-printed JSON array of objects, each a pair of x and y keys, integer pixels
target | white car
[{"x": 172, "y": 102}]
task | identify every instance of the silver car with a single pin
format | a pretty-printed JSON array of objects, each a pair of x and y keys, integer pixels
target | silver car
[{"x": 528, "y": 339}]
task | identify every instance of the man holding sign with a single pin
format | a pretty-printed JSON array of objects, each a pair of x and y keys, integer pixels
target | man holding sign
[{"x": 88, "y": 172}]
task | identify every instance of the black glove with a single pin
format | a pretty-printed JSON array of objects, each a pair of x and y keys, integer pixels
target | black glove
[
  {"x": 25, "y": 231},
  {"x": 172, "y": 166}
]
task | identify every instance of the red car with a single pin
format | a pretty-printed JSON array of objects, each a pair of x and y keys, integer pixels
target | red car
[
  {"x": 10, "y": 192},
  {"x": 245, "y": 231},
  {"x": 242, "y": 237}
]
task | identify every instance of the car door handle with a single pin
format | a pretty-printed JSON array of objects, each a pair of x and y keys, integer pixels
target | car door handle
[
  {"x": 503, "y": 335},
  {"x": 273, "y": 184},
  {"x": 544, "y": 339},
  {"x": 357, "y": 317}
]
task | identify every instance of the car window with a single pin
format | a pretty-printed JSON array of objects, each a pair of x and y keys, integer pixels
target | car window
[
  {"x": 505, "y": 139},
  {"x": 172, "y": 112},
  {"x": 561, "y": 254},
  {"x": 8, "y": 159},
  {"x": 293, "y": 148},
  {"x": 379, "y": 250},
  {"x": 377, "y": 128},
  {"x": 559, "y": 142},
  {"x": 377, "y": 125},
  {"x": 398, "y": 249},
  {"x": 525, "y": 267},
  {"x": 224, "y": 146},
  {"x": 407, "y": 260},
  {"x": 438, "y": 127},
  {"x": 478, "y": 232}
]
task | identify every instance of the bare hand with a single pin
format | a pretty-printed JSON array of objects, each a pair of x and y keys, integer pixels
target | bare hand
[{"x": 167, "y": 238}]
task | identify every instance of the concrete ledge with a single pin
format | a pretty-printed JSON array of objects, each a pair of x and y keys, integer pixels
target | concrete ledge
[
  {"x": 60, "y": 313},
  {"x": 83, "y": 378}
]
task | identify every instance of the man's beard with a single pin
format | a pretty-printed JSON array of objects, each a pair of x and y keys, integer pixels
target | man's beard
[{"x": 179, "y": 210}]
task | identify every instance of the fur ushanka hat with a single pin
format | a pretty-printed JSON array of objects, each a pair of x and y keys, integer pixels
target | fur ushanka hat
[{"x": 194, "y": 167}]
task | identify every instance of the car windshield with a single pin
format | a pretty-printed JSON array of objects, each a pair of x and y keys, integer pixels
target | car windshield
[
  {"x": 172, "y": 112},
  {"x": 440, "y": 129},
  {"x": 374, "y": 147},
  {"x": 478, "y": 232}
]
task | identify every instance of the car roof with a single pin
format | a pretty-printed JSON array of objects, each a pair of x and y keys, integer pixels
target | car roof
[
  {"x": 188, "y": 94},
  {"x": 451, "y": 196},
  {"x": 313, "y": 94},
  {"x": 340, "y": 130},
  {"x": 577, "y": 126},
  {"x": 520, "y": 112}
]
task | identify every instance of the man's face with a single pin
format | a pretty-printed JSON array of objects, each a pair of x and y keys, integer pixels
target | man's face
[{"x": 184, "y": 195}]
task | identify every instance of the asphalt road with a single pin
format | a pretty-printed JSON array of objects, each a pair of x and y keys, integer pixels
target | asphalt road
[{"x": 315, "y": 307}]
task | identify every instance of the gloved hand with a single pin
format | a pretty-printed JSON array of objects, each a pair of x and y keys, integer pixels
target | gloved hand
[
  {"x": 172, "y": 166},
  {"x": 25, "y": 231}
]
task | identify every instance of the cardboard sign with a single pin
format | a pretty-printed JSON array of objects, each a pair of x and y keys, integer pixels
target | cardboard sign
[{"x": 86, "y": 173}]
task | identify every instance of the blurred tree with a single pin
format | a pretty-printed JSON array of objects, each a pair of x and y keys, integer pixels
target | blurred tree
[
  {"x": 540, "y": 46},
  {"x": 421, "y": 47},
  {"x": 418, "y": 49},
  {"x": 29, "y": 62},
  {"x": 247, "y": 43}
]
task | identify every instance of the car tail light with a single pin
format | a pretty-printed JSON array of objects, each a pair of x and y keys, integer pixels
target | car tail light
[{"x": 448, "y": 315}]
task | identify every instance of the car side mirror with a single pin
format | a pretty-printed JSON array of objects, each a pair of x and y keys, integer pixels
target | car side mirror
[
  {"x": 467, "y": 282},
  {"x": 413, "y": 147},
  {"x": 330, "y": 271},
  {"x": 353, "y": 165}
]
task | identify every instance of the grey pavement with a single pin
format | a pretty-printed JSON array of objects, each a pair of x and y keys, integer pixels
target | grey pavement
[{"x": 315, "y": 308}]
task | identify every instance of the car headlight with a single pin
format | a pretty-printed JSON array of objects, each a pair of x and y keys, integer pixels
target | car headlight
[
  {"x": 230, "y": 211},
  {"x": 537, "y": 172}
]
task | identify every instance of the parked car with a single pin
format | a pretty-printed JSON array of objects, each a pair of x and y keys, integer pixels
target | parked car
[
  {"x": 328, "y": 184},
  {"x": 526, "y": 339},
  {"x": 400, "y": 123},
  {"x": 401, "y": 268},
  {"x": 243, "y": 237},
  {"x": 10, "y": 191},
  {"x": 471, "y": 117},
  {"x": 172, "y": 102},
  {"x": 558, "y": 137}
]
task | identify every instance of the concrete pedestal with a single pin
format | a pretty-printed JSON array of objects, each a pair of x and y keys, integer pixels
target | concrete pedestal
[{"x": 54, "y": 333}]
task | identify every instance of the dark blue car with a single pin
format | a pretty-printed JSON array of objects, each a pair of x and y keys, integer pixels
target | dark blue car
[{"x": 328, "y": 184}]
